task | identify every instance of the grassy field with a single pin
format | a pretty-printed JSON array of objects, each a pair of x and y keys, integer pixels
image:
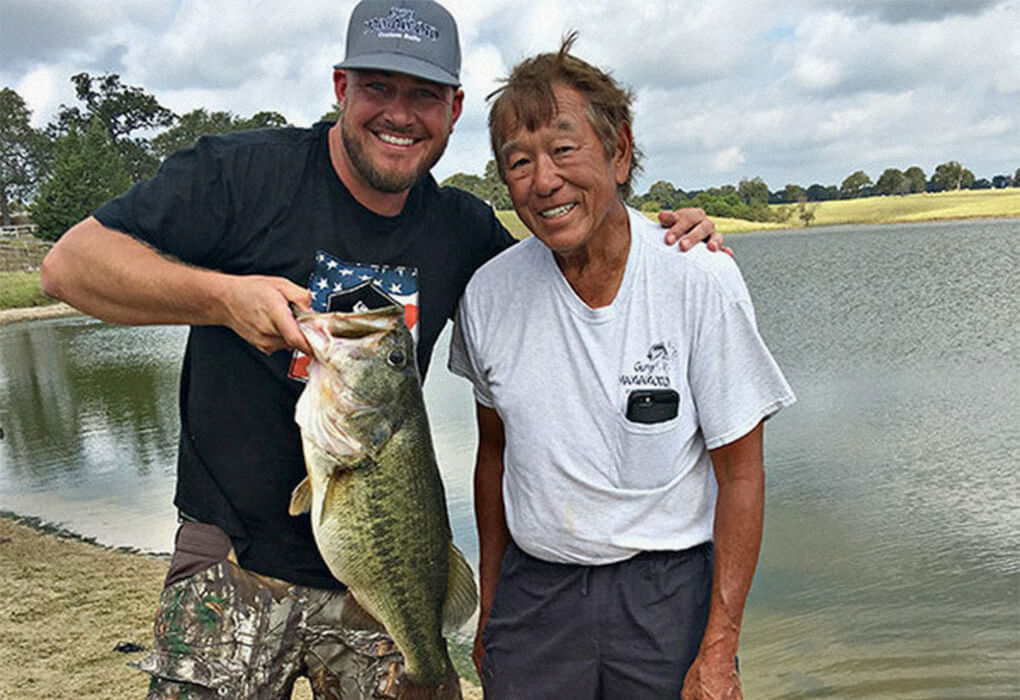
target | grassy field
[{"x": 964, "y": 204}]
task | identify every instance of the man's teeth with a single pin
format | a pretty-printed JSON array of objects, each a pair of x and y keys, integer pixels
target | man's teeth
[
  {"x": 396, "y": 140},
  {"x": 556, "y": 211}
]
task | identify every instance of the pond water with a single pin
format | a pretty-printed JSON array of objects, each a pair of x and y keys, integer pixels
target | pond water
[{"x": 891, "y": 561}]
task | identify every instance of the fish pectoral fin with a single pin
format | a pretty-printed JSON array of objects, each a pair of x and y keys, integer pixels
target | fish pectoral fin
[
  {"x": 354, "y": 616},
  {"x": 461, "y": 592},
  {"x": 301, "y": 498}
]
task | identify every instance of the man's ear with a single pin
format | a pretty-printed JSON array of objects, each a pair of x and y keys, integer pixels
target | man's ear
[
  {"x": 623, "y": 154},
  {"x": 456, "y": 108},
  {"x": 340, "y": 86}
]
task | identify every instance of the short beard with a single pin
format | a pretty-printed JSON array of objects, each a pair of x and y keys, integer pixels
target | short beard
[{"x": 391, "y": 183}]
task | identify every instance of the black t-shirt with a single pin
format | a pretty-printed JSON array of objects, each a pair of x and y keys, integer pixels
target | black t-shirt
[{"x": 270, "y": 203}]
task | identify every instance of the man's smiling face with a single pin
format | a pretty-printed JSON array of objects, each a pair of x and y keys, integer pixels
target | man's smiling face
[{"x": 394, "y": 126}]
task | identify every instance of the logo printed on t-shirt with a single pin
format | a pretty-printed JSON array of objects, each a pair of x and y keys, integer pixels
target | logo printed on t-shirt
[
  {"x": 337, "y": 285},
  {"x": 654, "y": 369}
]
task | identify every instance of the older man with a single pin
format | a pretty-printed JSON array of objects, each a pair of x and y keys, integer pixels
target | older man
[{"x": 621, "y": 392}]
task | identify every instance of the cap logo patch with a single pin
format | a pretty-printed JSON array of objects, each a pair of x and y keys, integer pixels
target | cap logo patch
[{"x": 401, "y": 24}]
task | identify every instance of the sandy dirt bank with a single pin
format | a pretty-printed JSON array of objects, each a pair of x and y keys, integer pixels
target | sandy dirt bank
[
  {"x": 67, "y": 605},
  {"x": 32, "y": 313}
]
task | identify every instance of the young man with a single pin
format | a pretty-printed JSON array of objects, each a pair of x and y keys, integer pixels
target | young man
[
  {"x": 621, "y": 394},
  {"x": 228, "y": 237}
]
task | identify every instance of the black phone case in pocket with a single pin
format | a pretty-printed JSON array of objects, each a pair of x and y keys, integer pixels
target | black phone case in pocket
[{"x": 652, "y": 405}]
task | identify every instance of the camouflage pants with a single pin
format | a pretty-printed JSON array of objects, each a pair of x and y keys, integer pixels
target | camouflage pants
[{"x": 226, "y": 632}]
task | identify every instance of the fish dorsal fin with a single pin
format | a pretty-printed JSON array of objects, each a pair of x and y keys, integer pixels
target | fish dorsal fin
[
  {"x": 461, "y": 592},
  {"x": 356, "y": 617},
  {"x": 301, "y": 498}
]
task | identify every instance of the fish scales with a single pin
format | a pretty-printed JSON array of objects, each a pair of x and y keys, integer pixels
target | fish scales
[{"x": 376, "y": 498}]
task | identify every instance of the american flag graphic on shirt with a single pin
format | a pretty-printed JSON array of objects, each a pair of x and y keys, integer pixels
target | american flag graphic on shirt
[{"x": 337, "y": 285}]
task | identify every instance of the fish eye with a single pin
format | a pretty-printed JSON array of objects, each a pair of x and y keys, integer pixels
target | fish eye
[{"x": 396, "y": 358}]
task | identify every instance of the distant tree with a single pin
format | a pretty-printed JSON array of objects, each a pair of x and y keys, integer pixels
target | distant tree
[
  {"x": 490, "y": 188},
  {"x": 1016, "y": 178},
  {"x": 854, "y": 184},
  {"x": 23, "y": 152},
  {"x": 333, "y": 115},
  {"x": 87, "y": 171},
  {"x": 664, "y": 193},
  {"x": 952, "y": 176},
  {"x": 1001, "y": 181},
  {"x": 892, "y": 181},
  {"x": 822, "y": 193},
  {"x": 753, "y": 192},
  {"x": 199, "y": 122},
  {"x": 793, "y": 194},
  {"x": 916, "y": 179},
  {"x": 121, "y": 110},
  {"x": 497, "y": 194},
  {"x": 981, "y": 184},
  {"x": 806, "y": 213}
]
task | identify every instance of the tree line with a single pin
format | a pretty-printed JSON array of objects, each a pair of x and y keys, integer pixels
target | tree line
[
  {"x": 119, "y": 134},
  {"x": 93, "y": 151}
]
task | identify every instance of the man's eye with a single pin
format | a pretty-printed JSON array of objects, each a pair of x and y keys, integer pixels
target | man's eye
[
  {"x": 562, "y": 150},
  {"x": 517, "y": 163}
]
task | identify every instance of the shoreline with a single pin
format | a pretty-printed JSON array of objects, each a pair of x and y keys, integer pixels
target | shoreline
[
  {"x": 35, "y": 313},
  {"x": 76, "y": 612}
]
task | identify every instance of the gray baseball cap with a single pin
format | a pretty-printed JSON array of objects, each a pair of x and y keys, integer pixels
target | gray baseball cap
[{"x": 416, "y": 37}]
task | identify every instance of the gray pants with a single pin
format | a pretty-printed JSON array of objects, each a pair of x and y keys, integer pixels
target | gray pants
[{"x": 628, "y": 630}]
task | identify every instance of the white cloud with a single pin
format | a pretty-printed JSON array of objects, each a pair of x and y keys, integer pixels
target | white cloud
[
  {"x": 797, "y": 91},
  {"x": 728, "y": 160}
]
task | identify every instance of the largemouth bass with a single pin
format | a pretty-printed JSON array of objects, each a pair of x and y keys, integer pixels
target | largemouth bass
[{"x": 373, "y": 488}]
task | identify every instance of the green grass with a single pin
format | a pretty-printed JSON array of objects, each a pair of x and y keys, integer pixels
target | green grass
[{"x": 19, "y": 290}]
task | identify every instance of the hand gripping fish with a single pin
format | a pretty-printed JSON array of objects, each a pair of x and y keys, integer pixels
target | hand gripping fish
[{"x": 377, "y": 503}]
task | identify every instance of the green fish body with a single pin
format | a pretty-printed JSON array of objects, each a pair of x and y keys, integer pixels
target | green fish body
[{"x": 373, "y": 489}]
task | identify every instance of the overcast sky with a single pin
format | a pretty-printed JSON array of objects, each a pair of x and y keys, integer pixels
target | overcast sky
[{"x": 792, "y": 91}]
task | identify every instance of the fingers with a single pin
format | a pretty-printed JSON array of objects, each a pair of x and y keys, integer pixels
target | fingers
[
  {"x": 260, "y": 312},
  {"x": 689, "y": 227}
]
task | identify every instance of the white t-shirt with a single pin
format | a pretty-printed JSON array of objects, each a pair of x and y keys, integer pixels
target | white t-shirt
[{"x": 582, "y": 483}]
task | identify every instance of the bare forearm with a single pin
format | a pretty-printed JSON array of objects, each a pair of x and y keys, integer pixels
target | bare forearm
[
  {"x": 490, "y": 518},
  {"x": 114, "y": 277},
  {"x": 739, "y": 509},
  {"x": 737, "y": 541}
]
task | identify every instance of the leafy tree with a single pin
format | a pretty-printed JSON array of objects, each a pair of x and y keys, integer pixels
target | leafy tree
[
  {"x": 664, "y": 193},
  {"x": 753, "y": 191},
  {"x": 820, "y": 193},
  {"x": 916, "y": 179},
  {"x": 87, "y": 171},
  {"x": 853, "y": 186},
  {"x": 333, "y": 115},
  {"x": 23, "y": 152},
  {"x": 497, "y": 194},
  {"x": 805, "y": 213},
  {"x": 1016, "y": 178},
  {"x": 892, "y": 181},
  {"x": 794, "y": 193},
  {"x": 121, "y": 110},
  {"x": 490, "y": 188},
  {"x": 982, "y": 184},
  {"x": 1000, "y": 181},
  {"x": 952, "y": 176},
  {"x": 198, "y": 122}
]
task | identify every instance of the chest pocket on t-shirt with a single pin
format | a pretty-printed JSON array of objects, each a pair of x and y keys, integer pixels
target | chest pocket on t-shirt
[{"x": 648, "y": 434}]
